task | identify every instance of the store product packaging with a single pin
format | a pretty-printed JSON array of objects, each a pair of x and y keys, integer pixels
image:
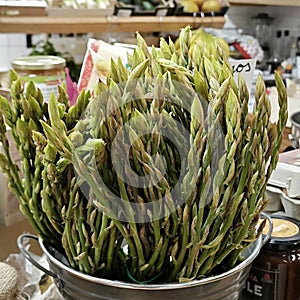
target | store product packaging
[
  {"x": 96, "y": 63},
  {"x": 287, "y": 173}
]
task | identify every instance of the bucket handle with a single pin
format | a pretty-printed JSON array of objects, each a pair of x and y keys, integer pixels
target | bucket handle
[
  {"x": 269, "y": 233},
  {"x": 20, "y": 243}
]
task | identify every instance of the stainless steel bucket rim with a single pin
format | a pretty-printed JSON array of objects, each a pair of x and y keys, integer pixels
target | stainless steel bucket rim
[
  {"x": 155, "y": 287},
  {"x": 294, "y": 118}
]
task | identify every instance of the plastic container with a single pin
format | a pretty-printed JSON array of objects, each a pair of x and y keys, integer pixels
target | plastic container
[
  {"x": 275, "y": 273},
  {"x": 291, "y": 207},
  {"x": 287, "y": 173},
  {"x": 47, "y": 72},
  {"x": 274, "y": 195}
]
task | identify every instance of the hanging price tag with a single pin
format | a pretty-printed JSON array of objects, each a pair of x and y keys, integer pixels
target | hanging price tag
[{"x": 244, "y": 67}]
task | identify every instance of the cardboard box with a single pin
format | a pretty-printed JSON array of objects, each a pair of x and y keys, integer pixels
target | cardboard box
[
  {"x": 23, "y": 8},
  {"x": 81, "y": 12}
]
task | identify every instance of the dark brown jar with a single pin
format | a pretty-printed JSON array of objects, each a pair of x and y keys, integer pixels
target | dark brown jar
[{"x": 275, "y": 273}]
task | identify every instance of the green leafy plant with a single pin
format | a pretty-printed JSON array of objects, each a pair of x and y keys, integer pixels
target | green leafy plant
[
  {"x": 74, "y": 187},
  {"x": 47, "y": 48}
]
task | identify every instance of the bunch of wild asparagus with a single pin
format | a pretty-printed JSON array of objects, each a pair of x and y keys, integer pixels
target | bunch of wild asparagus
[{"x": 158, "y": 176}]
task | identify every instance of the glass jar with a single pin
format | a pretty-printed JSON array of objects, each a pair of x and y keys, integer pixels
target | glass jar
[
  {"x": 47, "y": 72},
  {"x": 275, "y": 273}
]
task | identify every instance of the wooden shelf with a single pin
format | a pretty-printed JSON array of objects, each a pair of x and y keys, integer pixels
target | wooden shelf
[
  {"x": 265, "y": 2},
  {"x": 33, "y": 25}
]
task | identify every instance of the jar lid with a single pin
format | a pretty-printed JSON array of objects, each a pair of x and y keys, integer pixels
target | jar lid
[
  {"x": 285, "y": 233},
  {"x": 263, "y": 17},
  {"x": 39, "y": 62}
]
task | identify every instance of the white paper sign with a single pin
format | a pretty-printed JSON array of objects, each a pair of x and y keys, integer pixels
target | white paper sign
[{"x": 246, "y": 68}]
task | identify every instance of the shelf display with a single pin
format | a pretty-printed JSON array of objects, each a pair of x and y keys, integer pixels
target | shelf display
[
  {"x": 104, "y": 24},
  {"x": 265, "y": 2},
  {"x": 112, "y": 18},
  {"x": 23, "y": 8}
]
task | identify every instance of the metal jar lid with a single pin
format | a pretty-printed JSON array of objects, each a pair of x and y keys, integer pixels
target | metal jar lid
[
  {"x": 285, "y": 234},
  {"x": 39, "y": 62}
]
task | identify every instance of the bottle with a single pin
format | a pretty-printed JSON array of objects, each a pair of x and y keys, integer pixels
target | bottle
[
  {"x": 275, "y": 272},
  {"x": 276, "y": 59},
  {"x": 298, "y": 60},
  {"x": 286, "y": 45}
]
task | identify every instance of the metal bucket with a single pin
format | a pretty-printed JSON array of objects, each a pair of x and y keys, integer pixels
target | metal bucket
[
  {"x": 295, "y": 130},
  {"x": 78, "y": 286}
]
